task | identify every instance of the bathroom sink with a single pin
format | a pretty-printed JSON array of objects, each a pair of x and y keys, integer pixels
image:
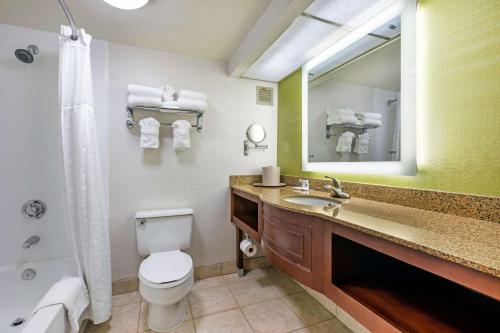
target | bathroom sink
[{"x": 312, "y": 201}]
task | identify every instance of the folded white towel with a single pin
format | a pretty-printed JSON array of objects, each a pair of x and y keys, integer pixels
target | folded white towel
[
  {"x": 144, "y": 91},
  {"x": 72, "y": 294},
  {"x": 371, "y": 122},
  {"x": 192, "y": 104},
  {"x": 334, "y": 111},
  {"x": 150, "y": 133},
  {"x": 361, "y": 145},
  {"x": 182, "y": 140},
  {"x": 144, "y": 101},
  {"x": 369, "y": 115},
  {"x": 344, "y": 143},
  {"x": 190, "y": 94},
  {"x": 170, "y": 105},
  {"x": 342, "y": 119},
  {"x": 168, "y": 93}
]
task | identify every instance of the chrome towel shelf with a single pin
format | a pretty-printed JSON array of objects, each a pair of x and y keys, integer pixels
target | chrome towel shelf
[
  {"x": 131, "y": 121},
  {"x": 347, "y": 126}
]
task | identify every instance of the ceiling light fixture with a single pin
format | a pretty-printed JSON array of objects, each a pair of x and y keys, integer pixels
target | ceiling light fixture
[{"x": 127, "y": 4}]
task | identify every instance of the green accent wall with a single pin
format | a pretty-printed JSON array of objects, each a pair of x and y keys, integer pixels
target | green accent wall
[{"x": 458, "y": 103}]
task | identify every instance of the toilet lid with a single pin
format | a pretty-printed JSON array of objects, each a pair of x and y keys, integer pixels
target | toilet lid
[{"x": 165, "y": 267}]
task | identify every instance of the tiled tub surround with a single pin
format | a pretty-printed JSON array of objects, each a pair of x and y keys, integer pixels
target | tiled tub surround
[
  {"x": 469, "y": 242},
  {"x": 465, "y": 205},
  {"x": 264, "y": 300}
]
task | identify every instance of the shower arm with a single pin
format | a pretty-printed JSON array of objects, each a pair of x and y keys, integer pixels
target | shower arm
[{"x": 65, "y": 8}]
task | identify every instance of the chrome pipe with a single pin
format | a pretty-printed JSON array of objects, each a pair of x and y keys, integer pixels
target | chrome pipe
[{"x": 74, "y": 35}]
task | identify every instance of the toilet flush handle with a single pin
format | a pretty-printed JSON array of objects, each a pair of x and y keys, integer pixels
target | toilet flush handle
[{"x": 142, "y": 221}]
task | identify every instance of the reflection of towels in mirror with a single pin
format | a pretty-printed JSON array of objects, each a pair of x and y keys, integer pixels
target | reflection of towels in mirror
[
  {"x": 361, "y": 145},
  {"x": 340, "y": 116},
  {"x": 369, "y": 118},
  {"x": 344, "y": 142}
]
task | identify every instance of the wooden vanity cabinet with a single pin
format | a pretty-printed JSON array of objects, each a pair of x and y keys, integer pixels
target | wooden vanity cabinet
[
  {"x": 294, "y": 243},
  {"x": 246, "y": 214}
]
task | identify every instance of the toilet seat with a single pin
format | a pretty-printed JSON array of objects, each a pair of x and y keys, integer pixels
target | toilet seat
[{"x": 166, "y": 269}]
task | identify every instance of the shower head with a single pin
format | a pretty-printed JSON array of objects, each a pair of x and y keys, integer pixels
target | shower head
[{"x": 27, "y": 55}]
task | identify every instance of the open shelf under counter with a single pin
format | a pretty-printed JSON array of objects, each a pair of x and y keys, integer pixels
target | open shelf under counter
[{"x": 246, "y": 213}]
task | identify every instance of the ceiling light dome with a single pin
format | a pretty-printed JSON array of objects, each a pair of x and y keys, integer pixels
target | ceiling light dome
[{"x": 127, "y": 4}]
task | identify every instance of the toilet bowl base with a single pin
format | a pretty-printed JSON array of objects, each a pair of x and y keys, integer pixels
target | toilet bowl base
[{"x": 162, "y": 318}]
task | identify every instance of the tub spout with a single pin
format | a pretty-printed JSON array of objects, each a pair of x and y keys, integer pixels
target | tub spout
[{"x": 30, "y": 242}]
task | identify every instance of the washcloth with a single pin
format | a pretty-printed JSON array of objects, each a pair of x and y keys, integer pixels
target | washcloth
[
  {"x": 72, "y": 294},
  {"x": 192, "y": 104},
  {"x": 168, "y": 93},
  {"x": 361, "y": 145},
  {"x": 144, "y": 91},
  {"x": 190, "y": 94},
  {"x": 150, "y": 133},
  {"x": 344, "y": 143},
  {"x": 181, "y": 128},
  {"x": 144, "y": 101}
]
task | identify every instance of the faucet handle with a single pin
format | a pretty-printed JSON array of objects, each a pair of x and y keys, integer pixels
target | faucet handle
[{"x": 336, "y": 182}]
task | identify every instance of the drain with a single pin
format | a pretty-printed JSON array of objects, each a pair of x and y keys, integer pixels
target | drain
[
  {"x": 18, "y": 321},
  {"x": 28, "y": 274}
]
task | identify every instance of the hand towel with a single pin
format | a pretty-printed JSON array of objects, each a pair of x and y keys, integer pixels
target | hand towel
[
  {"x": 144, "y": 91},
  {"x": 190, "y": 94},
  {"x": 144, "y": 101},
  {"x": 344, "y": 143},
  {"x": 361, "y": 145},
  {"x": 181, "y": 128},
  {"x": 150, "y": 133},
  {"x": 192, "y": 104},
  {"x": 72, "y": 294},
  {"x": 168, "y": 93}
]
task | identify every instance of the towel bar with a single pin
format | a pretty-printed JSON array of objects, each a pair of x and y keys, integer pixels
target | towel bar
[{"x": 131, "y": 121}]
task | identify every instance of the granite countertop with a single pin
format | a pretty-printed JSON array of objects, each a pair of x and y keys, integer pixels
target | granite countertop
[{"x": 469, "y": 242}]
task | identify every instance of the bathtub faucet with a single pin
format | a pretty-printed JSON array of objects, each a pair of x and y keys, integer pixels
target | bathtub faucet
[{"x": 30, "y": 242}]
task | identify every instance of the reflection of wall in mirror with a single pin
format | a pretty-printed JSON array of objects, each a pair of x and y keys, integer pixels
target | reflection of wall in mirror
[{"x": 360, "y": 99}]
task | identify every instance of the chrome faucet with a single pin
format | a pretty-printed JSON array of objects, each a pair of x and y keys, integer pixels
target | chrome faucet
[
  {"x": 30, "y": 242},
  {"x": 336, "y": 189}
]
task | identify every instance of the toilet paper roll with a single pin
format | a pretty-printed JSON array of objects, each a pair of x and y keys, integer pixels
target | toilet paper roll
[
  {"x": 271, "y": 176},
  {"x": 248, "y": 248}
]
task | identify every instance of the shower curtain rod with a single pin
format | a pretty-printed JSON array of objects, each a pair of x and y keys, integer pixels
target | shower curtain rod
[{"x": 65, "y": 8}]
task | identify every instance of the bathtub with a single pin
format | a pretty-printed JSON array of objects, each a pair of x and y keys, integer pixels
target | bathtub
[{"x": 18, "y": 297}]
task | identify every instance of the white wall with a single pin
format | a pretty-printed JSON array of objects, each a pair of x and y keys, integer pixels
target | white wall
[
  {"x": 359, "y": 98},
  {"x": 197, "y": 178},
  {"x": 30, "y": 142}
]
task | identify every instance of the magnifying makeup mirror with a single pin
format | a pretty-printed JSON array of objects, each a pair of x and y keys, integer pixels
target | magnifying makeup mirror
[{"x": 255, "y": 135}]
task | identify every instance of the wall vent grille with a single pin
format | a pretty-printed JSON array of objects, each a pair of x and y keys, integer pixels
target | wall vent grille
[{"x": 264, "y": 95}]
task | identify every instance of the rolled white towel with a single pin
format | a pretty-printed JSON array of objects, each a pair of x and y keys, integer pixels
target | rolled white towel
[
  {"x": 150, "y": 133},
  {"x": 182, "y": 140},
  {"x": 144, "y": 91},
  {"x": 191, "y": 94},
  {"x": 168, "y": 93},
  {"x": 72, "y": 294},
  {"x": 192, "y": 104},
  {"x": 342, "y": 119},
  {"x": 144, "y": 101}
]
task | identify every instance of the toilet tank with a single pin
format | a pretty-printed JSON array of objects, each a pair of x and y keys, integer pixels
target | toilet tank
[{"x": 163, "y": 230}]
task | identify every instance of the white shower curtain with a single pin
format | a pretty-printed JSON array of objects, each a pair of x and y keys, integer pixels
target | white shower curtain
[
  {"x": 85, "y": 193},
  {"x": 396, "y": 139}
]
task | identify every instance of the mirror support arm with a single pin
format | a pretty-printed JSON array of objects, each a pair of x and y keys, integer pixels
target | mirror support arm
[{"x": 247, "y": 146}]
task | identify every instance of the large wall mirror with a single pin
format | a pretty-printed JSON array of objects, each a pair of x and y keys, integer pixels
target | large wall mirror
[{"x": 359, "y": 99}]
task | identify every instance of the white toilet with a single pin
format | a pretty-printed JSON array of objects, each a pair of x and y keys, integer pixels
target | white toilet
[{"x": 166, "y": 276}]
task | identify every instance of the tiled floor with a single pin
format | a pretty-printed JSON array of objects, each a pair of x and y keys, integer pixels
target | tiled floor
[{"x": 264, "y": 301}]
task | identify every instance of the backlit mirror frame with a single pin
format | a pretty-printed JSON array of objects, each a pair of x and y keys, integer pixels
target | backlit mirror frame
[{"x": 408, "y": 163}]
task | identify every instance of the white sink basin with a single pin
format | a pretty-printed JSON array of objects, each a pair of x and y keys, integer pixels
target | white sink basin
[{"x": 312, "y": 201}]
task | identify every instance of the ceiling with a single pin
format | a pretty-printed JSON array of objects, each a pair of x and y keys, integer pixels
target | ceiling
[{"x": 211, "y": 29}]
